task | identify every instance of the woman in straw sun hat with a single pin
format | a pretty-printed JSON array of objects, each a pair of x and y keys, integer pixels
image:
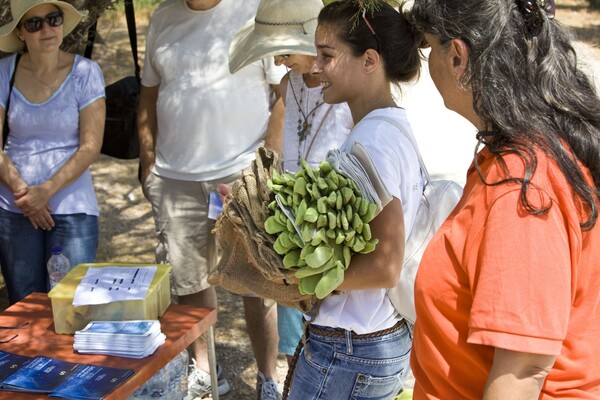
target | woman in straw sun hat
[
  {"x": 53, "y": 102},
  {"x": 11, "y": 42},
  {"x": 285, "y": 29}
]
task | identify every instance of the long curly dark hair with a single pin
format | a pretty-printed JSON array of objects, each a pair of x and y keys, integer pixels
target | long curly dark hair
[{"x": 527, "y": 86}]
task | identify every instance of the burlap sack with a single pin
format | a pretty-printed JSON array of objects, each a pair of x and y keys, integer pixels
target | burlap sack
[
  {"x": 236, "y": 274},
  {"x": 249, "y": 265},
  {"x": 257, "y": 242}
]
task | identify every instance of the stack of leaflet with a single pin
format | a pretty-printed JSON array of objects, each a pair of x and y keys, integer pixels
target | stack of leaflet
[
  {"x": 358, "y": 165},
  {"x": 133, "y": 339}
]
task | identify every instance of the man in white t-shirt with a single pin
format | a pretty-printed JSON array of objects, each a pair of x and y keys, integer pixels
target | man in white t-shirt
[{"x": 199, "y": 126}]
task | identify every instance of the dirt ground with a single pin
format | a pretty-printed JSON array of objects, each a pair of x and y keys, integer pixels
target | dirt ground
[{"x": 127, "y": 227}]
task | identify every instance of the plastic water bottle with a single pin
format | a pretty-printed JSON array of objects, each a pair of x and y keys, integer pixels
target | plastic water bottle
[
  {"x": 169, "y": 383},
  {"x": 177, "y": 369},
  {"x": 183, "y": 377},
  {"x": 140, "y": 394},
  {"x": 58, "y": 266},
  {"x": 158, "y": 385},
  {"x": 173, "y": 392},
  {"x": 182, "y": 371}
]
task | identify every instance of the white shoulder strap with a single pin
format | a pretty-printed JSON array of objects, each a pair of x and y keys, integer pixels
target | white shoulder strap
[{"x": 409, "y": 138}]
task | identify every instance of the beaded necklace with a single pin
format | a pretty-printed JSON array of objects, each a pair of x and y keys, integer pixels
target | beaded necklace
[
  {"x": 312, "y": 141},
  {"x": 305, "y": 119}
]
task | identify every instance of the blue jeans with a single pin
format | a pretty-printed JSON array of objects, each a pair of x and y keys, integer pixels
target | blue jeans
[
  {"x": 24, "y": 251},
  {"x": 347, "y": 367}
]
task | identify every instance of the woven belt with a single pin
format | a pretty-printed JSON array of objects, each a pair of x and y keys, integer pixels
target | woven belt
[{"x": 323, "y": 332}]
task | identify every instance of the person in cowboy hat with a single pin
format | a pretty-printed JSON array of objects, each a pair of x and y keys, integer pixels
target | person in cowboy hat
[
  {"x": 55, "y": 111},
  {"x": 199, "y": 125},
  {"x": 285, "y": 30}
]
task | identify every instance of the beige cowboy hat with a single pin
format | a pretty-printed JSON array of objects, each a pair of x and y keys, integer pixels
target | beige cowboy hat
[
  {"x": 10, "y": 43},
  {"x": 280, "y": 27}
]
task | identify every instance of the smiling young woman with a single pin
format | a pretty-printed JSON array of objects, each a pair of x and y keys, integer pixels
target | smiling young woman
[{"x": 357, "y": 346}]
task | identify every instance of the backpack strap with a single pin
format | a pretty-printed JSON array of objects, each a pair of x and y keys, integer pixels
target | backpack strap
[
  {"x": 362, "y": 155},
  {"x": 89, "y": 47},
  {"x": 410, "y": 139},
  {"x": 10, "y": 88},
  {"x": 131, "y": 30}
]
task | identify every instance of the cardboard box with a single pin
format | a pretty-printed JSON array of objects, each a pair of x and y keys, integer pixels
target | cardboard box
[{"x": 68, "y": 319}]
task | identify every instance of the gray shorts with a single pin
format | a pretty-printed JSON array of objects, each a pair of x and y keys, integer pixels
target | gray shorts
[{"x": 183, "y": 229}]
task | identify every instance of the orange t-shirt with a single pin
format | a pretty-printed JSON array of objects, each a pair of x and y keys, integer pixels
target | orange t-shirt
[{"x": 496, "y": 276}]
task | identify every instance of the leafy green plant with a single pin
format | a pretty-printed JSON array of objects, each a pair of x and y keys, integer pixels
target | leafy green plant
[
  {"x": 138, "y": 4},
  {"x": 330, "y": 223},
  {"x": 141, "y": 4}
]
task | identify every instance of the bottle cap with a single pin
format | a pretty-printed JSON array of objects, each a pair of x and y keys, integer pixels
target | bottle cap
[{"x": 56, "y": 249}]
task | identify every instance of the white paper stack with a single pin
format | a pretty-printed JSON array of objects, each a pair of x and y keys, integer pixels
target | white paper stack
[
  {"x": 348, "y": 165},
  {"x": 358, "y": 165},
  {"x": 133, "y": 339}
]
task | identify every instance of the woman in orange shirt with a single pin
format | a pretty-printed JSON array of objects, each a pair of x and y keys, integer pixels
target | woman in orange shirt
[{"x": 508, "y": 291}]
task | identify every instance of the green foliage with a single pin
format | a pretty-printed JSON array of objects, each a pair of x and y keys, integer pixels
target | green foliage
[
  {"x": 139, "y": 4},
  {"x": 145, "y": 4},
  {"x": 322, "y": 221},
  {"x": 595, "y": 4}
]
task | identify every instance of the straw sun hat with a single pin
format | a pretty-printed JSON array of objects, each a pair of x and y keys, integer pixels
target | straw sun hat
[
  {"x": 280, "y": 27},
  {"x": 10, "y": 43}
]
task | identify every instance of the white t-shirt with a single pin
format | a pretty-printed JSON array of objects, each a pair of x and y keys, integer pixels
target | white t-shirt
[
  {"x": 209, "y": 121},
  {"x": 44, "y": 136},
  {"x": 370, "y": 310}
]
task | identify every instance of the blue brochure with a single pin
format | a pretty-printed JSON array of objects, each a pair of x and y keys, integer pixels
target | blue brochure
[
  {"x": 41, "y": 374},
  {"x": 215, "y": 205},
  {"x": 58, "y": 378},
  {"x": 10, "y": 363},
  {"x": 91, "y": 382}
]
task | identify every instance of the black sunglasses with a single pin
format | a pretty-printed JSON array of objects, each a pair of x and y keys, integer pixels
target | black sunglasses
[{"x": 35, "y": 24}]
